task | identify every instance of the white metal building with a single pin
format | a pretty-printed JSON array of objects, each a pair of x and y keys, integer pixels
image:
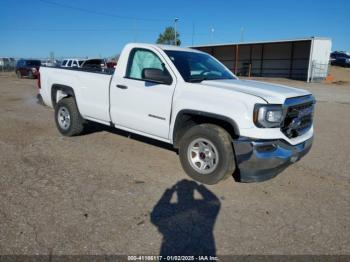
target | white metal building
[{"x": 304, "y": 59}]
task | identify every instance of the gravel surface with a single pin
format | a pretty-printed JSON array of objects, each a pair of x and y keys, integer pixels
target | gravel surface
[{"x": 109, "y": 192}]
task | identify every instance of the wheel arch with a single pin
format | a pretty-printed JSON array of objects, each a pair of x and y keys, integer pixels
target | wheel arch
[
  {"x": 187, "y": 118},
  {"x": 63, "y": 91}
]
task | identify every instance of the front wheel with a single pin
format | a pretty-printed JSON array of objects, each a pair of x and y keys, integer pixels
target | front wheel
[
  {"x": 67, "y": 116},
  {"x": 19, "y": 75},
  {"x": 206, "y": 153}
]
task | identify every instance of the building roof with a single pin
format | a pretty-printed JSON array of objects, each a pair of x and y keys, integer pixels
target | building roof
[{"x": 264, "y": 42}]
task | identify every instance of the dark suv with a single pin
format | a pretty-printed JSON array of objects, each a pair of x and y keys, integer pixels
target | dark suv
[
  {"x": 28, "y": 67},
  {"x": 340, "y": 58}
]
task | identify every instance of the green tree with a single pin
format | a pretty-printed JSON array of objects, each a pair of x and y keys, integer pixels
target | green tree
[{"x": 168, "y": 37}]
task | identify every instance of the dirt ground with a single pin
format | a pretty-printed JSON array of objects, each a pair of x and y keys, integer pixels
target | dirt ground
[
  {"x": 109, "y": 192},
  {"x": 341, "y": 75}
]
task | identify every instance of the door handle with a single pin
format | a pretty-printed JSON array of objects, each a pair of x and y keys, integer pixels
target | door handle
[{"x": 122, "y": 86}]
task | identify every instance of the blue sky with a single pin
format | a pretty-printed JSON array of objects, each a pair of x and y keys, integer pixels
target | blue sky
[{"x": 100, "y": 28}]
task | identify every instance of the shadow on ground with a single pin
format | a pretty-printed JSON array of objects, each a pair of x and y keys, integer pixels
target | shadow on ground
[
  {"x": 91, "y": 128},
  {"x": 186, "y": 224}
]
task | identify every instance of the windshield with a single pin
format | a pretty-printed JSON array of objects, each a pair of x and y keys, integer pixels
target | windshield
[{"x": 196, "y": 67}]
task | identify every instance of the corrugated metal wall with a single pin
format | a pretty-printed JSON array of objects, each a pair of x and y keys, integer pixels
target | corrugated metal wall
[{"x": 278, "y": 59}]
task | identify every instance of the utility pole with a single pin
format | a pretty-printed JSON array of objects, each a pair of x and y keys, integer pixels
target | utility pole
[
  {"x": 242, "y": 34},
  {"x": 175, "y": 36},
  {"x": 193, "y": 30},
  {"x": 52, "y": 57},
  {"x": 211, "y": 34}
]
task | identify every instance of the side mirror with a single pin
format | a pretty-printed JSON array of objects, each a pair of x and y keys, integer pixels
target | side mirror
[{"x": 156, "y": 75}]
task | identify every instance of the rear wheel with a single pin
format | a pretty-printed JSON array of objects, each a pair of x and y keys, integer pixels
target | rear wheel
[
  {"x": 68, "y": 119},
  {"x": 206, "y": 153},
  {"x": 19, "y": 75}
]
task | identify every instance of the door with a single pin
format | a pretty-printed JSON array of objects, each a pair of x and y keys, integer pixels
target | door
[{"x": 139, "y": 104}]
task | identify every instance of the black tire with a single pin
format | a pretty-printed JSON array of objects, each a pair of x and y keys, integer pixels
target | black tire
[
  {"x": 221, "y": 140},
  {"x": 75, "y": 126},
  {"x": 19, "y": 75}
]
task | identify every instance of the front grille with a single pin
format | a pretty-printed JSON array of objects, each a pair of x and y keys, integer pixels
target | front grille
[{"x": 298, "y": 118}]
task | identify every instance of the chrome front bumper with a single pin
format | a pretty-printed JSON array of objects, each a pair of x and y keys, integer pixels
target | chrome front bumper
[{"x": 259, "y": 160}]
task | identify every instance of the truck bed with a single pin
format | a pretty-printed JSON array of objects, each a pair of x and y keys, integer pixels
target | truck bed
[{"x": 91, "y": 86}]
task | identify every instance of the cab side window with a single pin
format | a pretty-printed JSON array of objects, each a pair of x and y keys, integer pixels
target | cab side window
[{"x": 140, "y": 59}]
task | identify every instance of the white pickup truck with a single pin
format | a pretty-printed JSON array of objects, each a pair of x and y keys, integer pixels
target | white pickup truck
[{"x": 221, "y": 125}]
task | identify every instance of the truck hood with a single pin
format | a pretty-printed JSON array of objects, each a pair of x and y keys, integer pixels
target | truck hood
[{"x": 271, "y": 93}]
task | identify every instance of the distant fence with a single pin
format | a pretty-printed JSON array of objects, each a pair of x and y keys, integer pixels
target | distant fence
[
  {"x": 318, "y": 71},
  {"x": 7, "y": 68},
  {"x": 7, "y": 64}
]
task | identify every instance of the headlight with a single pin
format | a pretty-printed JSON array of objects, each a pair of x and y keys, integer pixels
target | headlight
[{"x": 268, "y": 115}]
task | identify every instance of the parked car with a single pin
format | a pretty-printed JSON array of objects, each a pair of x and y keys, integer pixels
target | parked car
[
  {"x": 98, "y": 64},
  {"x": 340, "y": 58},
  {"x": 111, "y": 64},
  {"x": 88, "y": 64},
  {"x": 220, "y": 124},
  {"x": 95, "y": 63},
  {"x": 72, "y": 63},
  {"x": 27, "y": 67},
  {"x": 50, "y": 62}
]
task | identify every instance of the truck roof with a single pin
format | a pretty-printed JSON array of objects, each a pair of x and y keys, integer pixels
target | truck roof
[{"x": 164, "y": 47}]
